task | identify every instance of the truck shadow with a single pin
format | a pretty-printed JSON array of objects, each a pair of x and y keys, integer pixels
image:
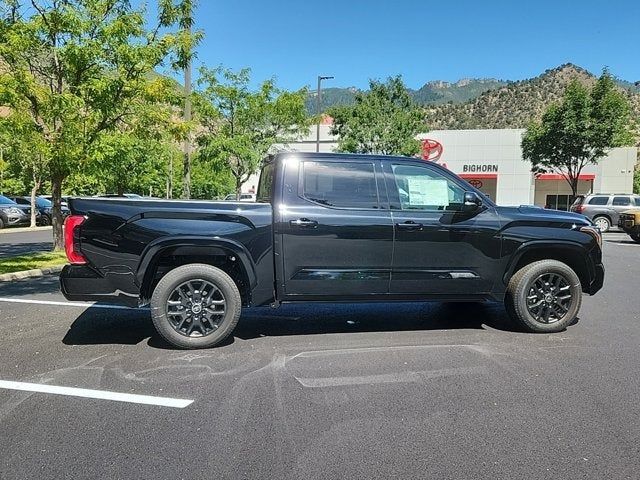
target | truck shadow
[{"x": 130, "y": 327}]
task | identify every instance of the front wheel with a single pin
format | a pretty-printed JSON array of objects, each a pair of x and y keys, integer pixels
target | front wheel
[
  {"x": 195, "y": 306},
  {"x": 635, "y": 237},
  {"x": 544, "y": 296}
]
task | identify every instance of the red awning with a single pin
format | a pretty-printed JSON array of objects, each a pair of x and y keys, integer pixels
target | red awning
[
  {"x": 557, "y": 176},
  {"x": 479, "y": 176}
]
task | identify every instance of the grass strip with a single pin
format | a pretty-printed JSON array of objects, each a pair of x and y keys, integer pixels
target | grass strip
[{"x": 32, "y": 261}]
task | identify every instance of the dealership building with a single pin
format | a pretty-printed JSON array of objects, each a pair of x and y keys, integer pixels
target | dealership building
[{"x": 491, "y": 160}]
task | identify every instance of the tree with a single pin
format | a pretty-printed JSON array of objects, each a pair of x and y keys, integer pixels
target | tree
[
  {"x": 384, "y": 120},
  {"x": 241, "y": 125},
  {"x": 78, "y": 68},
  {"x": 26, "y": 149},
  {"x": 636, "y": 180},
  {"x": 579, "y": 130},
  {"x": 182, "y": 15}
]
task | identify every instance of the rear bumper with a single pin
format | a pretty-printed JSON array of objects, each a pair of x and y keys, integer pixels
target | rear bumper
[{"x": 82, "y": 283}]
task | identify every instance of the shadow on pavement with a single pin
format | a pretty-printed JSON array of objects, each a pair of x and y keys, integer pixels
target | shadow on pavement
[
  {"x": 13, "y": 249},
  {"x": 130, "y": 327},
  {"x": 32, "y": 286}
]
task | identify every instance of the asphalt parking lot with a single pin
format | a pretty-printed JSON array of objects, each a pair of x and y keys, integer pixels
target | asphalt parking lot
[
  {"x": 325, "y": 391},
  {"x": 18, "y": 242}
]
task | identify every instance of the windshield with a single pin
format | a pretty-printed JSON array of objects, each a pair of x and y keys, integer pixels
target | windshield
[
  {"x": 6, "y": 201},
  {"x": 43, "y": 203}
]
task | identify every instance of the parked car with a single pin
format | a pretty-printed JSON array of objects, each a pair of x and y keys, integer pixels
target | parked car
[
  {"x": 12, "y": 214},
  {"x": 629, "y": 222},
  {"x": 604, "y": 208},
  {"x": 244, "y": 197},
  {"x": 44, "y": 207},
  {"x": 64, "y": 200},
  {"x": 330, "y": 228}
]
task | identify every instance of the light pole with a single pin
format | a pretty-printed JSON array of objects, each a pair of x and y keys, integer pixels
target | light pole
[{"x": 320, "y": 78}]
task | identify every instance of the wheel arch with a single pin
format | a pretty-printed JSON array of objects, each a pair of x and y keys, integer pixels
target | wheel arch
[
  {"x": 167, "y": 253},
  {"x": 569, "y": 253}
]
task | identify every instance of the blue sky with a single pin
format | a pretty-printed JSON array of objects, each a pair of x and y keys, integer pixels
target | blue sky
[{"x": 355, "y": 40}]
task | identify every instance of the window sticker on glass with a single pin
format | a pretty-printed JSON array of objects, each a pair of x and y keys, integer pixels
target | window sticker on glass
[{"x": 428, "y": 191}]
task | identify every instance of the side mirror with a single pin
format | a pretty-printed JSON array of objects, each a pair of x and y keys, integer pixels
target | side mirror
[{"x": 472, "y": 202}]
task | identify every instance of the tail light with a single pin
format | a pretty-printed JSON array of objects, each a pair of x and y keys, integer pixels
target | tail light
[
  {"x": 579, "y": 208},
  {"x": 72, "y": 239}
]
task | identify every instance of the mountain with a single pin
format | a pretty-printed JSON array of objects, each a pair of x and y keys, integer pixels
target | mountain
[
  {"x": 487, "y": 103},
  {"x": 431, "y": 93},
  {"x": 438, "y": 92},
  {"x": 514, "y": 105}
]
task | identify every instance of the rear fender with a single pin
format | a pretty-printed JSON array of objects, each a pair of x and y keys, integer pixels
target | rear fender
[{"x": 217, "y": 246}]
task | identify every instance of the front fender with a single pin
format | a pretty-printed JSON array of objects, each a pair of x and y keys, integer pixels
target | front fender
[{"x": 558, "y": 247}]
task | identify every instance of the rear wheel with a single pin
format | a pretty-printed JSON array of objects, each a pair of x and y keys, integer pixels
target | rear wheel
[
  {"x": 603, "y": 223},
  {"x": 544, "y": 296},
  {"x": 635, "y": 237},
  {"x": 45, "y": 221},
  {"x": 1, "y": 223},
  {"x": 195, "y": 306}
]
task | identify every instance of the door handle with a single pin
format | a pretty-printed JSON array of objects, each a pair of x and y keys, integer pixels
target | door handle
[
  {"x": 410, "y": 226},
  {"x": 303, "y": 223}
]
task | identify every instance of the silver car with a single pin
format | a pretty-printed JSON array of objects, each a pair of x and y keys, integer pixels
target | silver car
[{"x": 604, "y": 208}]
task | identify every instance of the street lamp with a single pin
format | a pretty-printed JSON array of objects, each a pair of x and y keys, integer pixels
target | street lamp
[{"x": 320, "y": 78}]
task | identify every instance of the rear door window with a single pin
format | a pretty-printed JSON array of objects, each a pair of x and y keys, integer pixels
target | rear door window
[
  {"x": 621, "y": 201},
  {"x": 599, "y": 201},
  {"x": 340, "y": 184}
]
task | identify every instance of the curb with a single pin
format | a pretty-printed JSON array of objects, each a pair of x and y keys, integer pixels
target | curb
[{"x": 13, "y": 276}]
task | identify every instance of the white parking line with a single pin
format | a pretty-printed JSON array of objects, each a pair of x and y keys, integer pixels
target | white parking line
[
  {"x": 65, "y": 304},
  {"x": 99, "y": 394}
]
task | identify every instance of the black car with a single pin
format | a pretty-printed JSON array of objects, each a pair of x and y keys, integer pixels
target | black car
[
  {"x": 330, "y": 228},
  {"x": 12, "y": 214},
  {"x": 44, "y": 207}
]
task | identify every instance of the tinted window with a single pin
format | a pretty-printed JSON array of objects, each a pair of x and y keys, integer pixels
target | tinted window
[
  {"x": 578, "y": 201},
  {"x": 599, "y": 201},
  {"x": 344, "y": 184},
  {"x": 265, "y": 185},
  {"x": 22, "y": 201},
  {"x": 621, "y": 201},
  {"x": 426, "y": 189}
]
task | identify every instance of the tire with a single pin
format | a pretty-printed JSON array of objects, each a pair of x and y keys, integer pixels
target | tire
[
  {"x": 180, "y": 323},
  {"x": 550, "y": 300},
  {"x": 45, "y": 221},
  {"x": 1, "y": 223},
  {"x": 635, "y": 237},
  {"x": 603, "y": 223}
]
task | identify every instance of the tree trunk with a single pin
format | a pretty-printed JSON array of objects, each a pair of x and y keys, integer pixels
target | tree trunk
[
  {"x": 34, "y": 191},
  {"x": 238, "y": 188},
  {"x": 56, "y": 214},
  {"x": 120, "y": 189}
]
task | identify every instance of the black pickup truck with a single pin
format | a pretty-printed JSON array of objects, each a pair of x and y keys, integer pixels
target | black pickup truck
[{"x": 329, "y": 228}]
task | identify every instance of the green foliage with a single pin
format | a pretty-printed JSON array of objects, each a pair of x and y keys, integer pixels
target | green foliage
[
  {"x": 636, "y": 180},
  {"x": 209, "y": 181},
  {"x": 241, "y": 125},
  {"x": 383, "y": 120},
  {"x": 79, "y": 69},
  {"x": 579, "y": 130}
]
